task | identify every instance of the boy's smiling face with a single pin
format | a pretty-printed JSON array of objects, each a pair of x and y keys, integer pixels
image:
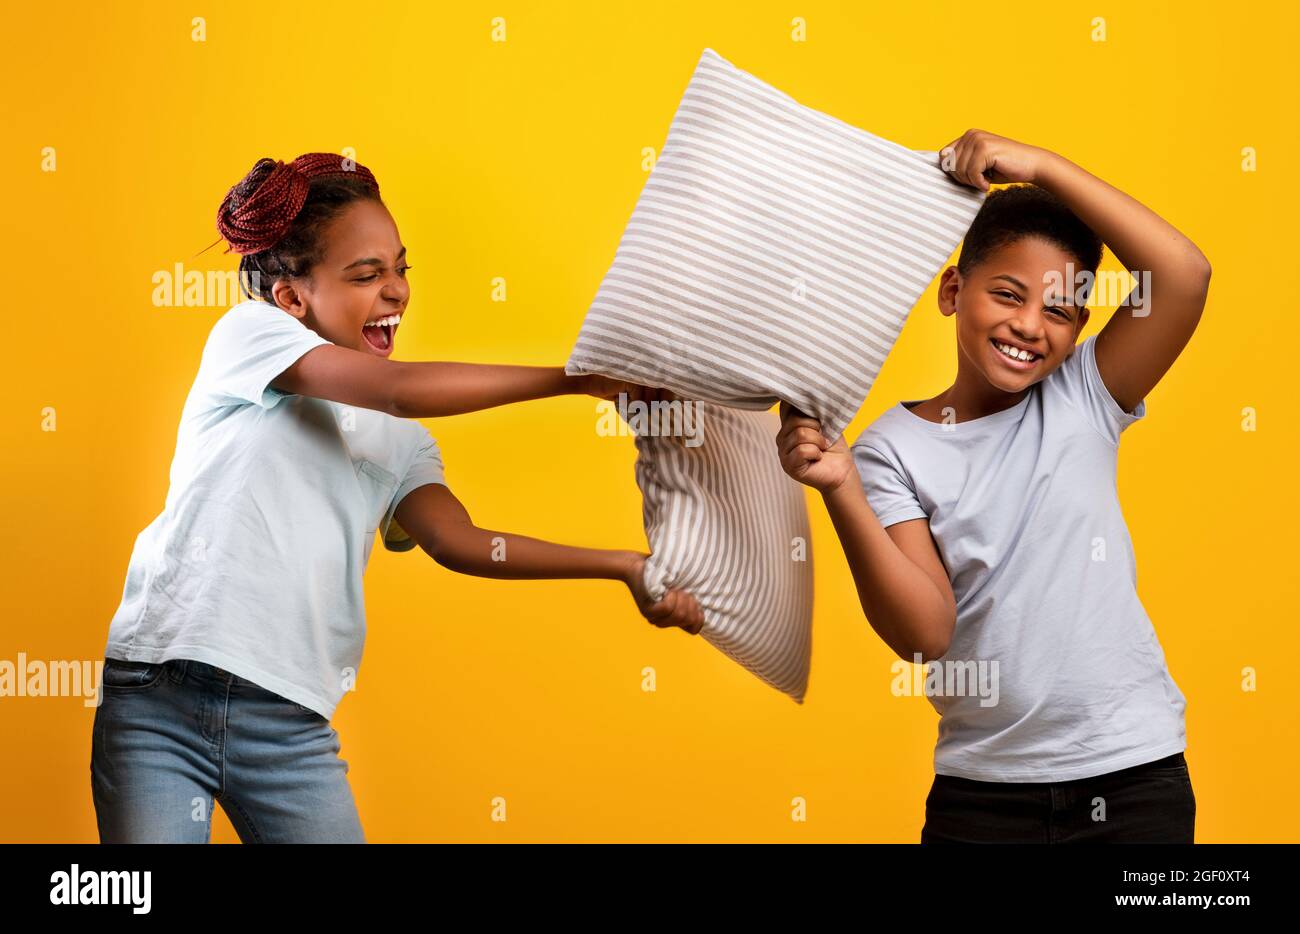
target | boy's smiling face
[
  {"x": 1018, "y": 299},
  {"x": 359, "y": 281}
]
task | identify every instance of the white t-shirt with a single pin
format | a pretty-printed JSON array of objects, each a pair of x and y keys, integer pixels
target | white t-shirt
[
  {"x": 1024, "y": 509},
  {"x": 255, "y": 563}
]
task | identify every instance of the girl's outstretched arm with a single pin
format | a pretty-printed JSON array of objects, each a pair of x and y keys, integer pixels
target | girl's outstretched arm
[
  {"x": 439, "y": 523},
  {"x": 431, "y": 390}
]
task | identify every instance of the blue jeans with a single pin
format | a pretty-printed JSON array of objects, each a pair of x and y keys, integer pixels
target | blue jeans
[
  {"x": 171, "y": 738},
  {"x": 1149, "y": 803}
]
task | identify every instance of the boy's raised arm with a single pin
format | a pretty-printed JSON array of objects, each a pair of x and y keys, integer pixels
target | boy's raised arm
[{"x": 1146, "y": 334}]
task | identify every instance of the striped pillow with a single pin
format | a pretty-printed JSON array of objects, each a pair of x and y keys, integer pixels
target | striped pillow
[
  {"x": 727, "y": 525},
  {"x": 774, "y": 253}
]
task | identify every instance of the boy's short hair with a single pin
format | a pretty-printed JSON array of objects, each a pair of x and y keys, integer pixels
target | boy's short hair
[{"x": 1011, "y": 214}]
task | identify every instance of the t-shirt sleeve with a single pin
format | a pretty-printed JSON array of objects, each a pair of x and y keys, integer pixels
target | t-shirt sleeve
[
  {"x": 426, "y": 467},
  {"x": 889, "y": 493},
  {"x": 248, "y": 347},
  {"x": 1080, "y": 380}
]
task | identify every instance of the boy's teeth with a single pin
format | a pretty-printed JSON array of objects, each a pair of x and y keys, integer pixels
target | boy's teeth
[
  {"x": 1014, "y": 352},
  {"x": 391, "y": 319}
]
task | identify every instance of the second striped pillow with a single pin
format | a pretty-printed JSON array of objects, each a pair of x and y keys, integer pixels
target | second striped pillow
[{"x": 726, "y": 525}]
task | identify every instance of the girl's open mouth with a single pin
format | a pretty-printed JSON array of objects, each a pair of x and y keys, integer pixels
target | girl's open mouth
[{"x": 379, "y": 333}]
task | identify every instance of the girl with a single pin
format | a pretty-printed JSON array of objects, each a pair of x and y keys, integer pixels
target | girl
[{"x": 242, "y": 617}]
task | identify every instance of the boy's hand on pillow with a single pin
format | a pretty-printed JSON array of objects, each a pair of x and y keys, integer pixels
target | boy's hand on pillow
[
  {"x": 677, "y": 608},
  {"x": 807, "y": 456},
  {"x": 978, "y": 158}
]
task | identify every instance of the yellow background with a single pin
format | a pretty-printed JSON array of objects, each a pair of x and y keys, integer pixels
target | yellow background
[{"x": 523, "y": 159}]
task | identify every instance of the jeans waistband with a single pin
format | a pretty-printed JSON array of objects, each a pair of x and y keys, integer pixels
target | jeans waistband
[
  {"x": 1172, "y": 761},
  {"x": 203, "y": 671}
]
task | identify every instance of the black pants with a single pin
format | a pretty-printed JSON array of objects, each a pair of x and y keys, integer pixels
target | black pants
[{"x": 1149, "y": 803}]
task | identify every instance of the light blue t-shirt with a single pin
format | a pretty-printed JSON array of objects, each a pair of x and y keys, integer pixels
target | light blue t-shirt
[
  {"x": 255, "y": 563},
  {"x": 1023, "y": 507}
]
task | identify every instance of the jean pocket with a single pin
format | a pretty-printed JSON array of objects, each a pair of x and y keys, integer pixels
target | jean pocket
[{"x": 120, "y": 675}]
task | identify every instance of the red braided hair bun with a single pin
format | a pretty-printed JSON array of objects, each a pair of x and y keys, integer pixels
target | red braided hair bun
[{"x": 258, "y": 211}]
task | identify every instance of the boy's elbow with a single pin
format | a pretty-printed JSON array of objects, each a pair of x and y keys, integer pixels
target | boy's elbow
[
  {"x": 1204, "y": 271},
  {"x": 923, "y": 648},
  {"x": 932, "y": 650},
  {"x": 935, "y": 644},
  {"x": 1199, "y": 271},
  {"x": 1187, "y": 276}
]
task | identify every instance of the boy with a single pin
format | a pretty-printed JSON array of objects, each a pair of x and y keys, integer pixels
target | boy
[{"x": 985, "y": 533}]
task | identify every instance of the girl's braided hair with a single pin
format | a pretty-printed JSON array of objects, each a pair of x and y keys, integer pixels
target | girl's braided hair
[{"x": 275, "y": 215}]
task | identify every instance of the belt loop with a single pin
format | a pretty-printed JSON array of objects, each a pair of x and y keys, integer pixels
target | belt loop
[{"x": 178, "y": 669}]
